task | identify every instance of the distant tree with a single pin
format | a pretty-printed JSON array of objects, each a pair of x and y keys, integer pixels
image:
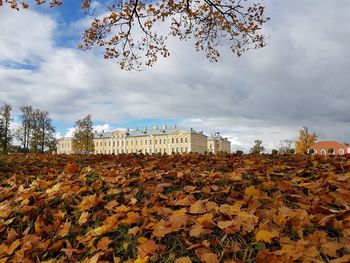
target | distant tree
[
  {"x": 24, "y": 132},
  {"x": 305, "y": 141},
  {"x": 258, "y": 148},
  {"x": 5, "y": 131},
  {"x": 127, "y": 29},
  {"x": 286, "y": 147},
  {"x": 45, "y": 131},
  {"x": 274, "y": 152},
  {"x": 239, "y": 152},
  {"x": 331, "y": 151},
  {"x": 83, "y": 136}
]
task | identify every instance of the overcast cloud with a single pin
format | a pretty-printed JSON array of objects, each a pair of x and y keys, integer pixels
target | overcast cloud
[{"x": 300, "y": 78}]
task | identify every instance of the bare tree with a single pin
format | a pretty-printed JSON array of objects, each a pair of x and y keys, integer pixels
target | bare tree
[
  {"x": 5, "y": 131},
  {"x": 23, "y": 133}
]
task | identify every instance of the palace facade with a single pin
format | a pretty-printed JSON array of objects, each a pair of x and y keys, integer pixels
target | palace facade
[{"x": 162, "y": 140}]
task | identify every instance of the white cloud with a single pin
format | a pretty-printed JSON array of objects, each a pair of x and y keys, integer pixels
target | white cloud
[{"x": 299, "y": 79}]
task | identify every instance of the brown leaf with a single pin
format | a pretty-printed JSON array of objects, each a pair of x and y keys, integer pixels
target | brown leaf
[{"x": 103, "y": 243}]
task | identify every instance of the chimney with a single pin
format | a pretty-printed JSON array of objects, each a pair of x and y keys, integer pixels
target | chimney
[{"x": 174, "y": 126}]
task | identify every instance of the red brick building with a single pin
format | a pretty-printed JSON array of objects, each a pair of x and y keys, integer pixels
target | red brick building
[{"x": 327, "y": 148}]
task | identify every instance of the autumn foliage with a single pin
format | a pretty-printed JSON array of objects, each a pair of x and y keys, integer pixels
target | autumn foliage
[
  {"x": 135, "y": 32},
  {"x": 180, "y": 208}
]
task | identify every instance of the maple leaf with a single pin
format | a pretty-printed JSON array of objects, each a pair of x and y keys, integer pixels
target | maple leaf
[
  {"x": 103, "y": 243},
  {"x": 83, "y": 218},
  {"x": 148, "y": 247},
  {"x": 89, "y": 202},
  {"x": 64, "y": 230},
  {"x": 183, "y": 260},
  {"x": 265, "y": 236},
  {"x": 198, "y": 208}
]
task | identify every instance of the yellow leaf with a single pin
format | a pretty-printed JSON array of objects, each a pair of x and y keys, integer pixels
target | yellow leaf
[
  {"x": 64, "y": 230},
  {"x": 206, "y": 220},
  {"x": 83, "y": 218},
  {"x": 13, "y": 246},
  {"x": 183, "y": 260},
  {"x": 265, "y": 236},
  {"x": 103, "y": 243}
]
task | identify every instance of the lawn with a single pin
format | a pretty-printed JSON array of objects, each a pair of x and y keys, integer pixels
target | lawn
[{"x": 180, "y": 208}]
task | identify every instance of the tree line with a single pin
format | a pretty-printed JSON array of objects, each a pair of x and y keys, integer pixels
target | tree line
[{"x": 35, "y": 132}]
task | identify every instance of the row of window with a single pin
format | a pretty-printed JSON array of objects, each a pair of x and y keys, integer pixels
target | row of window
[
  {"x": 156, "y": 141},
  {"x": 324, "y": 152},
  {"x": 160, "y": 150}
]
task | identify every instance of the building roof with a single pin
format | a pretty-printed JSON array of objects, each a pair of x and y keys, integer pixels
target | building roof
[
  {"x": 161, "y": 131},
  {"x": 102, "y": 135},
  {"x": 217, "y": 137},
  {"x": 328, "y": 145}
]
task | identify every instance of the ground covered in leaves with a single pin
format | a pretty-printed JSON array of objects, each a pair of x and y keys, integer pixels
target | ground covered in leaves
[{"x": 181, "y": 208}]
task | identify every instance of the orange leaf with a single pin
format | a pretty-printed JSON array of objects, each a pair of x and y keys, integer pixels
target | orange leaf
[
  {"x": 103, "y": 243},
  {"x": 198, "y": 208},
  {"x": 83, "y": 218},
  {"x": 183, "y": 260},
  {"x": 64, "y": 230},
  {"x": 265, "y": 236},
  {"x": 147, "y": 248}
]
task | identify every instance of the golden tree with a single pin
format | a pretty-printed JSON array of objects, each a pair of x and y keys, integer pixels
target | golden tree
[
  {"x": 83, "y": 136},
  {"x": 127, "y": 33},
  {"x": 305, "y": 141}
]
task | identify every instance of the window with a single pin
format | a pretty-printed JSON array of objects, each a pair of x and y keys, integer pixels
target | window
[
  {"x": 172, "y": 140},
  {"x": 181, "y": 150},
  {"x": 177, "y": 150},
  {"x": 186, "y": 149},
  {"x": 113, "y": 151},
  {"x": 341, "y": 152},
  {"x": 100, "y": 143},
  {"x": 118, "y": 143},
  {"x": 323, "y": 152},
  {"x": 140, "y": 142},
  {"x": 177, "y": 140},
  {"x": 122, "y": 143},
  {"x": 132, "y": 142},
  {"x": 136, "y": 142},
  {"x": 122, "y": 150},
  {"x": 150, "y": 142},
  {"x": 113, "y": 143},
  {"x": 172, "y": 149},
  {"x": 109, "y": 144},
  {"x": 181, "y": 141},
  {"x": 126, "y": 143},
  {"x": 186, "y": 140},
  {"x": 105, "y": 144},
  {"x": 164, "y": 141},
  {"x": 145, "y": 142},
  {"x": 127, "y": 151}
]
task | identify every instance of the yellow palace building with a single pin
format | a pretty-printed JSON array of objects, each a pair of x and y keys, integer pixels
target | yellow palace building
[{"x": 162, "y": 140}]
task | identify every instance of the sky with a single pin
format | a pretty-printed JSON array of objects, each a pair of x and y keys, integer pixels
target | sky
[{"x": 301, "y": 78}]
